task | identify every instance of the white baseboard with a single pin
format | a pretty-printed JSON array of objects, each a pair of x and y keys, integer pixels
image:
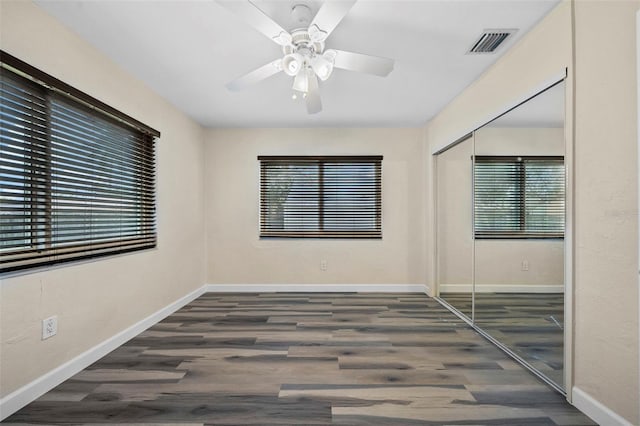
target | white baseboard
[
  {"x": 317, "y": 288},
  {"x": 31, "y": 391},
  {"x": 593, "y": 408},
  {"x": 501, "y": 288}
]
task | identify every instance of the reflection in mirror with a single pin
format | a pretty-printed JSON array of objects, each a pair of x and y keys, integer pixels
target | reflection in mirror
[
  {"x": 519, "y": 210},
  {"x": 454, "y": 226}
]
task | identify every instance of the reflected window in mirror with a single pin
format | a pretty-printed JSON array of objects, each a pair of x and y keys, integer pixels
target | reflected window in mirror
[{"x": 519, "y": 197}]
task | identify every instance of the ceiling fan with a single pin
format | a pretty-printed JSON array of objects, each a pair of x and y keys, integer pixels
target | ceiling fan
[{"x": 304, "y": 55}]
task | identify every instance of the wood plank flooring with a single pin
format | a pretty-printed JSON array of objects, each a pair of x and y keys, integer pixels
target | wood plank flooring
[{"x": 312, "y": 359}]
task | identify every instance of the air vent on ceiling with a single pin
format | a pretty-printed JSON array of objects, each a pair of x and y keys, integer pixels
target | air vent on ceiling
[{"x": 490, "y": 40}]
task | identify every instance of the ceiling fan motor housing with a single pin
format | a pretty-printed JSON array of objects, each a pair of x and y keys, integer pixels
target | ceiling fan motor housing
[
  {"x": 300, "y": 39},
  {"x": 300, "y": 54}
]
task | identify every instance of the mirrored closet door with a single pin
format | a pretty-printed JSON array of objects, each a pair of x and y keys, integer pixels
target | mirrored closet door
[{"x": 515, "y": 219}]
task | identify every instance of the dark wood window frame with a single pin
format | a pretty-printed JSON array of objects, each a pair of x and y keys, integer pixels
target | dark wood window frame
[
  {"x": 336, "y": 196},
  {"x": 77, "y": 177},
  {"x": 515, "y": 171}
]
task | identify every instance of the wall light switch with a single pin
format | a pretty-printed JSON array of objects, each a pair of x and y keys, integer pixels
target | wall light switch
[
  {"x": 323, "y": 265},
  {"x": 525, "y": 265}
]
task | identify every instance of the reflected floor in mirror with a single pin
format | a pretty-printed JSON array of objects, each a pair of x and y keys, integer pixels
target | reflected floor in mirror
[
  {"x": 313, "y": 359},
  {"x": 530, "y": 324}
]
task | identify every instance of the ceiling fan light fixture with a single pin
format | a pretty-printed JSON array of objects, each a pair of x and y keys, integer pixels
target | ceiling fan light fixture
[
  {"x": 301, "y": 82},
  {"x": 322, "y": 67},
  {"x": 292, "y": 64}
]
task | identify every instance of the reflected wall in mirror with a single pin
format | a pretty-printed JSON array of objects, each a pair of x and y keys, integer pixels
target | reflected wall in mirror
[
  {"x": 519, "y": 211},
  {"x": 454, "y": 226}
]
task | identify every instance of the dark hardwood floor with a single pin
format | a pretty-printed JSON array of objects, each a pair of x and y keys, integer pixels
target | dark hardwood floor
[{"x": 312, "y": 359}]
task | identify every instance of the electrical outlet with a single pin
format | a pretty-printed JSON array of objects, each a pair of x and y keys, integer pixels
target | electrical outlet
[
  {"x": 49, "y": 327},
  {"x": 525, "y": 265},
  {"x": 323, "y": 265}
]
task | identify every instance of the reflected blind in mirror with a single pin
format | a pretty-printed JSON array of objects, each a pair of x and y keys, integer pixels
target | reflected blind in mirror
[
  {"x": 519, "y": 197},
  {"x": 320, "y": 197}
]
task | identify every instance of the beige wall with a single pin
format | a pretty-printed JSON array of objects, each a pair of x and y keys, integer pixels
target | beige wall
[
  {"x": 606, "y": 194},
  {"x": 235, "y": 253},
  {"x": 499, "y": 263},
  {"x": 519, "y": 141},
  {"x": 96, "y": 300},
  {"x": 604, "y": 175}
]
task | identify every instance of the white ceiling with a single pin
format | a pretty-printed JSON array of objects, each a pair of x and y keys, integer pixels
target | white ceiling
[{"x": 187, "y": 50}]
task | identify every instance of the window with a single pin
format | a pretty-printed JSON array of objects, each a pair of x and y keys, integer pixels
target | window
[
  {"x": 76, "y": 182},
  {"x": 519, "y": 197},
  {"x": 320, "y": 197}
]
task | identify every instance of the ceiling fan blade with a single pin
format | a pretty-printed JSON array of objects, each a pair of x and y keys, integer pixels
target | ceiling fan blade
[
  {"x": 314, "y": 104},
  {"x": 255, "y": 76},
  {"x": 363, "y": 63},
  {"x": 330, "y": 15},
  {"x": 258, "y": 20}
]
